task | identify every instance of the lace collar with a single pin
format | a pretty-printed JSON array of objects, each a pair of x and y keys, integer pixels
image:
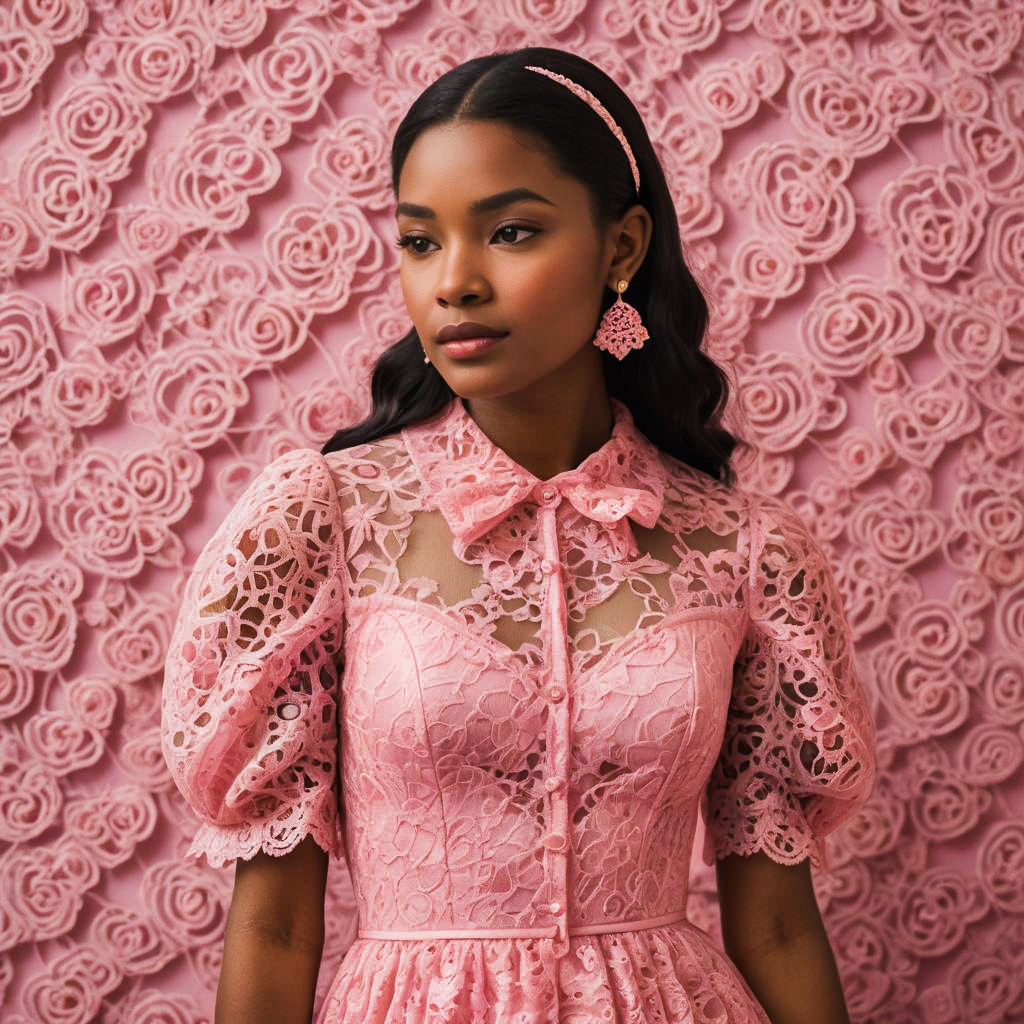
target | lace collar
[{"x": 476, "y": 484}]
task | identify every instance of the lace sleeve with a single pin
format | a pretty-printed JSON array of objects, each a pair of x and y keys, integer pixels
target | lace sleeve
[
  {"x": 798, "y": 753},
  {"x": 249, "y": 710}
]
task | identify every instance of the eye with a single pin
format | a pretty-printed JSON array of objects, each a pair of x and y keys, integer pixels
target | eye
[{"x": 408, "y": 241}]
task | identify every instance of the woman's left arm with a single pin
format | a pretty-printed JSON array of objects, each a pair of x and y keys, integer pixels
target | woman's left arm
[{"x": 772, "y": 930}]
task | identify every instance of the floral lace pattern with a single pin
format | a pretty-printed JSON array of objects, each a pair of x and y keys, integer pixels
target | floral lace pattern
[
  {"x": 195, "y": 210},
  {"x": 514, "y": 696}
]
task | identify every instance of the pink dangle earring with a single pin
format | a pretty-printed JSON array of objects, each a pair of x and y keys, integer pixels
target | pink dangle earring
[{"x": 621, "y": 328}]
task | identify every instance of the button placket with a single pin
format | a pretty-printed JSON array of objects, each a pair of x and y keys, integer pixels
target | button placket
[{"x": 556, "y": 841}]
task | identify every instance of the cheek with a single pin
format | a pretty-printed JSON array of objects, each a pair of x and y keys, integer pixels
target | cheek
[{"x": 555, "y": 292}]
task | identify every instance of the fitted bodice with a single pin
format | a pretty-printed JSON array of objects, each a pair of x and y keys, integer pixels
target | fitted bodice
[{"x": 505, "y": 701}]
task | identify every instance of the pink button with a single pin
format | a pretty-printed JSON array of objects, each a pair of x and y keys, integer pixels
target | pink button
[
  {"x": 552, "y": 782},
  {"x": 555, "y": 908},
  {"x": 289, "y": 711},
  {"x": 547, "y": 495},
  {"x": 556, "y": 694},
  {"x": 556, "y": 841}
]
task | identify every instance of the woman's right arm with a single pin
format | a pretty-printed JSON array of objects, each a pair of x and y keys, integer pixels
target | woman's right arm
[{"x": 274, "y": 938}]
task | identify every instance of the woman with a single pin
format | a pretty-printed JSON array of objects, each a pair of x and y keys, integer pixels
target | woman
[{"x": 501, "y": 643}]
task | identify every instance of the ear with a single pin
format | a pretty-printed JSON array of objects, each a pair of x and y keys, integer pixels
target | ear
[{"x": 630, "y": 237}]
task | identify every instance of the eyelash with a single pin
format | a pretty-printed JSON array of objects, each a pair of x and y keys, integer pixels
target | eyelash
[{"x": 404, "y": 241}]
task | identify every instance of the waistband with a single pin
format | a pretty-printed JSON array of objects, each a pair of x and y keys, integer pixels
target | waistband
[{"x": 548, "y": 932}]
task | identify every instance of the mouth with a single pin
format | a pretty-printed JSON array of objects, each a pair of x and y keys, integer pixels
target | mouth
[{"x": 465, "y": 347}]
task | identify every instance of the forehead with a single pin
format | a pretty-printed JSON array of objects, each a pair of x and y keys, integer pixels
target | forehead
[{"x": 455, "y": 161}]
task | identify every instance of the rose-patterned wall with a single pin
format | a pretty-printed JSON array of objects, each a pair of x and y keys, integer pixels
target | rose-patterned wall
[{"x": 196, "y": 275}]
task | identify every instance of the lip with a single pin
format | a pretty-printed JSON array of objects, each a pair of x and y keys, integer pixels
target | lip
[
  {"x": 467, "y": 329},
  {"x": 465, "y": 348}
]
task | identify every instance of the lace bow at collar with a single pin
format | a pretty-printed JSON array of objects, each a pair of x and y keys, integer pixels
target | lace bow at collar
[{"x": 476, "y": 484}]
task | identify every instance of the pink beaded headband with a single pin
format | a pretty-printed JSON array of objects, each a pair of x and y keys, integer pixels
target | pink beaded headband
[{"x": 589, "y": 97}]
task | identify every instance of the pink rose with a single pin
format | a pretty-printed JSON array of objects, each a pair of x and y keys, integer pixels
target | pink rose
[
  {"x": 782, "y": 397},
  {"x": 838, "y": 107},
  {"x": 94, "y": 700},
  {"x": 47, "y": 883},
  {"x": 936, "y": 911},
  {"x": 79, "y": 393},
  {"x": 1003, "y": 689},
  {"x": 26, "y": 342},
  {"x": 976, "y": 39},
  {"x": 1004, "y": 243},
  {"x": 767, "y": 269},
  {"x": 157, "y": 66},
  {"x": 947, "y": 806},
  {"x": 933, "y": 220},
  {"x": 111, "y": 825},
  {"x": 63, "y": 742},
  {"x": 101, "y": 124},
  {"x": 687, "y": 138},
  {"x": 73, "y": 986},
  {"x": 21, "y": 244},
  {"x": 147, "y": 17},
  {"x": 187, "y": 901},
  {"x": 877, "y": 826},
  {"x": 16, "y": 689},
  {"x": 59, "y": 20},
  {"x": 142, "y": 759},
  {"x": 350, "y": 162},
  {"x": 799, "y": 194},
  {"x": 316, "y": 251},
  {"x": 293, "y": 73},
  {"x": 134, "y": 648},
  {"x": 1001, "y": 866},
  {"x": 202, "y": 410},
  {"x": 932, "y": 633},
  {"x": 725, "y": 92},
  {"x": 668, "y": 31},
  {"x": 986, "y": 986},
  {"x": 25, "y": 53},
  {"x": 261, "y": 331},
  {"x": 850, "y": 324},
  {"x": 37, "y": 621},
  {"x": 970, "y": 339},
  {"x": 1010, "y": 617},
  {"x": 148, "y": 1006},
  {"x": 146, "y": 232},
  {"x": 209, "y": 177},
  {"x": 899, "y": 534},
  {"x": 235, "y": 23},
  {"x": 698, "y": 212},
  {"x": 133, "y": 939},
  {"x": 919, "y": 422},
  {"x": 30, "y": 796},
  {"x": 990, "y": 754},
  {"x": 993, "y": 515},
  {"x": 109, "y": 300},
  {"x": 64, "y": 197},
  {"x": 992, "y": 152}
]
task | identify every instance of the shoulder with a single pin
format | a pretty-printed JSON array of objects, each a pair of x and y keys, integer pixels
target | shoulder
[{"x": 700, "y": 498}]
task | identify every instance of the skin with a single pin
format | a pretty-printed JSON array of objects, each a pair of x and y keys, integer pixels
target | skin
[{"x": 540, "y": 396}]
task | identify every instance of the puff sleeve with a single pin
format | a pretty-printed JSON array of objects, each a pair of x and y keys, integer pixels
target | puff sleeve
[
  {"x": 798, "y": 755},
  {"x": 249, "y": 706}
]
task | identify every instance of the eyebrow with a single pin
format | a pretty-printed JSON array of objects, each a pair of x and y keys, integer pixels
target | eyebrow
[{"x": 479, "y": 206}]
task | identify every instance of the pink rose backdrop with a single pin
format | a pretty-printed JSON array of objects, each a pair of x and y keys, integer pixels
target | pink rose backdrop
[{"x": 196, "y": 275}]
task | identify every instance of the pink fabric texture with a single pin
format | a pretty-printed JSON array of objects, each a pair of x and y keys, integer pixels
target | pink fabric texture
[{"x": 505, "y": 702}]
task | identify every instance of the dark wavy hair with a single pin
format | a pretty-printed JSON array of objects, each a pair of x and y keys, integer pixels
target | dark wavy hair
[{"x": 675, "y": 392}]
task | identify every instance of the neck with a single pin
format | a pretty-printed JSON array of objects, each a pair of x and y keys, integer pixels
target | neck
[{"x": 545, "y": 438}]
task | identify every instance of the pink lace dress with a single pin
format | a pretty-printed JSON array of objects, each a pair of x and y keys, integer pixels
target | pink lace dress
[{"x": 524, "y": 692}]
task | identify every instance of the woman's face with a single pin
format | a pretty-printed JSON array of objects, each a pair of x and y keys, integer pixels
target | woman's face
[{"x": 534, "y": 267}]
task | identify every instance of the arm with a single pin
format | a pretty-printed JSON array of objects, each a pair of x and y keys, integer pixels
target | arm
[
  {"x": 274, "y": 938},
  {"x": 773, "y": 932}
]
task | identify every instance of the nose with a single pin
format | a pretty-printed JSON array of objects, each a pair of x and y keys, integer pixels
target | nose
[{"x": 461, "y": 280}]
